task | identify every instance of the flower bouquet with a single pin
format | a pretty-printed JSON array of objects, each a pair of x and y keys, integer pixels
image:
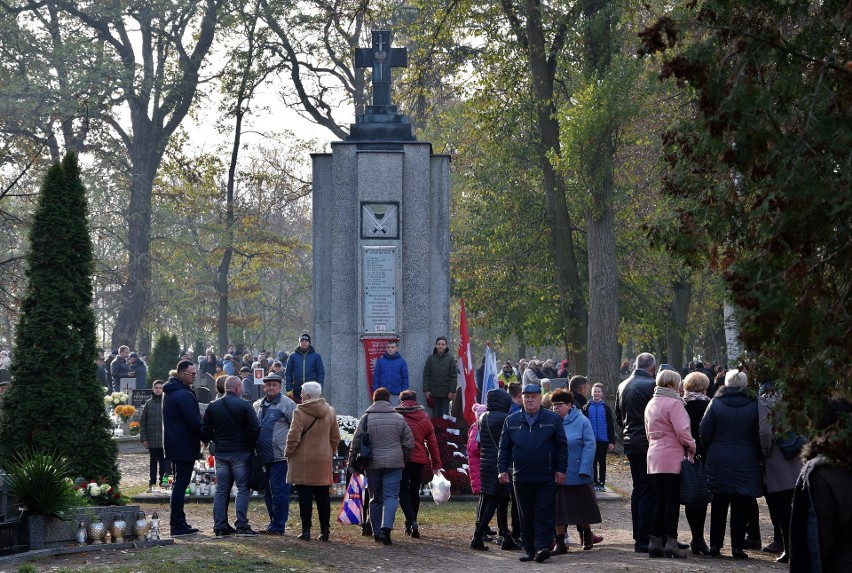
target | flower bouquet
[
  {"x": 116, "y": 398},
  {"x": 125, "y": 412},
  {"x": 98, "y": 493},
  {"x": 347, "y": 426},
  {"x": 134, "y": 428}
]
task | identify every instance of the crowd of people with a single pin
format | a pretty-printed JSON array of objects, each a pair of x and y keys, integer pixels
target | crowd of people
[{"x": 537, "y": 455}]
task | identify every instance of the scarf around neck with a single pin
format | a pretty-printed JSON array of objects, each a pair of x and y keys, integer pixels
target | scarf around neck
[
  {"x": 690, "y": 396},
  {"x": 660, "y": 391}
]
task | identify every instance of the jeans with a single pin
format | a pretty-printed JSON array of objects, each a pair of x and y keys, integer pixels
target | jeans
[
  {"x": 384, "y": 491},
  {"x": 277, "y": 496},
  {"x": 643, "y": 498},
  {"x": 538, "y": 514},
  {"x": 309, "y": 493},
  {"x": 183, "y": 473},
  {"x": 409, "y": 491},
  {"x": 667, "y": 508},
  {"x": 230, "y": 469},
  {"x": 157, "y": 459}
]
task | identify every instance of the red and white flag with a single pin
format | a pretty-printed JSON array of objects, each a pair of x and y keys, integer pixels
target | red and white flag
[{"x": 467, "y": 380}]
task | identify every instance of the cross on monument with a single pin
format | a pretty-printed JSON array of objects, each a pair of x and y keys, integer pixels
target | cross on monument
[{"x": 381, "y": 57}]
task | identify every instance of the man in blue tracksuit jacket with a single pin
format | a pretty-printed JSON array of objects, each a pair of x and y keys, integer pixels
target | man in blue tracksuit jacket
[
  {"x": 303, "y": 365},
  {"x": 533, "y": 443},
  {"x": 391, "y": 372}
]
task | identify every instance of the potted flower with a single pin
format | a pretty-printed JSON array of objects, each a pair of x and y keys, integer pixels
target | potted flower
[
  {"x": 98, "y": 492},
  {"x": 39, "y": 480},
  {"x": 134, "y": 428},
  {"x": 125, "y": 412}
]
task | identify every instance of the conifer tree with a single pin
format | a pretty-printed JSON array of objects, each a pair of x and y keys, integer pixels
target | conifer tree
[
  {"x": 164, "y": 356},
  {"x": 55, "y": 402}
]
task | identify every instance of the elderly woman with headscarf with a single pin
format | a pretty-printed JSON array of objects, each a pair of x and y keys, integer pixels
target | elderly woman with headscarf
[
  {"x": 311, "y": 443},
  {"x": 729, "y": 435},
  {"x": 669, "y": 434}
]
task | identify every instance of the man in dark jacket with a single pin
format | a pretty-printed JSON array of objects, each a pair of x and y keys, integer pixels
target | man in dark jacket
[
  {"x": 440, "y": 378},
  {"x": 534, "y": 444},
  {"x": 182, "y": 435},
  {"x": 391, "y": 372},
  {"x": 119, "y": 368},
  {"x": 303, "y": 365},
  {"x": 630, "y": 400},
  {"x": 233, "y": 427},
  {"x": 151, "y": 435}
]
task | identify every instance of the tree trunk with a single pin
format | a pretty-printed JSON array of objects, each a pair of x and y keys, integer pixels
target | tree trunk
[
  {"x": 600, "y": 218},
  {"x": 603, "y": 286},
  {"x": 568, "y": 283},
  {"x": 678, "y": 314},
  {"x": 145, "y": 156},
  {"x": 732, "y": 335}
]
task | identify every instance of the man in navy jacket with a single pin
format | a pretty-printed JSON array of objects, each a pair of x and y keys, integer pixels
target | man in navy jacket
[
  {"x": 182, "y": 436},
  {"x": 534, "y": 444},
  {"x": 303, "y": 365}
]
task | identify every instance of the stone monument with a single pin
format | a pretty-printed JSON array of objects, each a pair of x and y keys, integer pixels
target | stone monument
[{"x": 381, "y": 241}]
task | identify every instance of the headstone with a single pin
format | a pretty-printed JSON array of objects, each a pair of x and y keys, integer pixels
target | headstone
[
  {"x": 204, "y": 386},
  {"x": 127, "y": 385},
  {"x": 381, "y": 241},
  {"x": 139, "y": 397}
]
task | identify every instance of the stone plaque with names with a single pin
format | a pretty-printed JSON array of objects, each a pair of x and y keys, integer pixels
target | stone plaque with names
[
  {"x": 379, "y": 270},
  {"x": 139, "y": 397}
]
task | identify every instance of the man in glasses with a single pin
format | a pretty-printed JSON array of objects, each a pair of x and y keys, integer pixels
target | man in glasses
[{"x": 182, "y": 436}]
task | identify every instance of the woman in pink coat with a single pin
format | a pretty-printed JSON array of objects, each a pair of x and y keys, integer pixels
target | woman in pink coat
[
  {"x": 668, "y": 429},
  {"x": 473, "y": 451}
]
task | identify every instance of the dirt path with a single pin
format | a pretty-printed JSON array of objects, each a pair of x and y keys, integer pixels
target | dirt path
[{"x": 442, "y": 548}]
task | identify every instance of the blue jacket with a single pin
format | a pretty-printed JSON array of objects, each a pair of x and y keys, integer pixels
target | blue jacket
[
  {"x": 581, "y": 447},
  {"x": 391, "y": 372},
  {"x": 600, "y": 415},
  {"x": 536, "y": 452},
  {"x": 275, "y": 418},
  {"x": 303, "y": 366},
  {"x": 182, "y": 431}
]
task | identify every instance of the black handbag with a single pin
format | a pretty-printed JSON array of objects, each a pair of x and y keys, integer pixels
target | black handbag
[
  {"x": 365, "y": 452},
  {"x": 791, "y": 444},
  {"x": 257, "y": 473},
  {"x": 694, "y": 489}
]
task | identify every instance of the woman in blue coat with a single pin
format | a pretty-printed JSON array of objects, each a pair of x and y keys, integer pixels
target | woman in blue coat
[{"x": 576, "y": 503}]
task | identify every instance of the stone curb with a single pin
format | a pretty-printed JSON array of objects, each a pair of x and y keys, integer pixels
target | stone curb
[{"x": 28, "y": 555}]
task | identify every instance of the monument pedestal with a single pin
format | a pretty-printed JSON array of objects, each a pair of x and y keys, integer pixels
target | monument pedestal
[{"x": 381, "y": 259}]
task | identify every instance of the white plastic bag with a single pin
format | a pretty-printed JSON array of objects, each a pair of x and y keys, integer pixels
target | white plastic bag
[{"x": 440, "y": 488}]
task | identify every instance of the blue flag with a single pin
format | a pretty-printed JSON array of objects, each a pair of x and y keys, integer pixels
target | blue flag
[{"x": 489, "y": 375}]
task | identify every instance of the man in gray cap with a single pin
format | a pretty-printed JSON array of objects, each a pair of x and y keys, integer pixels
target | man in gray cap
[{"x": 533, "y": 443}]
